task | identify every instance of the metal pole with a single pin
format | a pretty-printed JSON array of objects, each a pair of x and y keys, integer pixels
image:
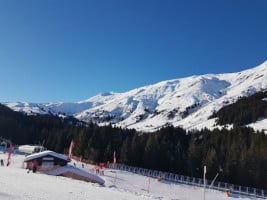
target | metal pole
[
  {"x": 205, "y": 171},
  {"x": 211, "y": 185}
]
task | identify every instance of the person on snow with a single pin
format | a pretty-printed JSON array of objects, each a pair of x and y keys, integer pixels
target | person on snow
[{"x": 34, "y": 166}]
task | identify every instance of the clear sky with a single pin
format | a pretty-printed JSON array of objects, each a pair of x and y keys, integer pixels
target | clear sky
[{"x": 71, "y": 50}]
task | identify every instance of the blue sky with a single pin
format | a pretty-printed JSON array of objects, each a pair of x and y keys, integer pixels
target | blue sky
[{"x": 62, "y": 50}]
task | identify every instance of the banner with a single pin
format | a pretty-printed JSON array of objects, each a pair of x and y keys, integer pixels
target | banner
[
  {"x": 71, "y": 148},
  {"x": 114, "y": 157},
  {"x": 9, "y": 155}
]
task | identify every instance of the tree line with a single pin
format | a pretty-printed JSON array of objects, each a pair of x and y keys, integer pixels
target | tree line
[
  {"x": 239, "y": 154},
  {"x": 245, "y": 111}
]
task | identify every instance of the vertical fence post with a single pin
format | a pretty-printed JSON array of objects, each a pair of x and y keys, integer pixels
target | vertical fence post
[{"x": 148, "y": 186}]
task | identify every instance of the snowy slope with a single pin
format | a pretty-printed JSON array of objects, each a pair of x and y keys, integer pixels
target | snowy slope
[
  {"x": 185, "y": 102},
  {"x": 17, "y": 184}
]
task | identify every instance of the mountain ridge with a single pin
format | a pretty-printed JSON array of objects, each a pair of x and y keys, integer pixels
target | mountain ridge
[{"x": 185, "y": 102}]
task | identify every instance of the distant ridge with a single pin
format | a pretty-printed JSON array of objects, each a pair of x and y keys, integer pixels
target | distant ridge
[{"x": 185, "y": 102}]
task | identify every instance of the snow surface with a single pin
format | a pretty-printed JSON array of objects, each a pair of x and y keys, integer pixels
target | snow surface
[
  {"x": 185, "y": 102},
  {"x": 261, "y": 124},
  {"x": 17, "y": 184}
]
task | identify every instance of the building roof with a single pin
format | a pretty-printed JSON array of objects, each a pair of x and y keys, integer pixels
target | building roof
[
  {"x": 30, "y": 148},
  {"x": 46, "y": 153},
  {"x": 76, "y": 173}
]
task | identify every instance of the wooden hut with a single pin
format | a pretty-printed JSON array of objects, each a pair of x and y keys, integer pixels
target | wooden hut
[
  {"x": 55, "y": 164},
  {"x": 47, "y": 160}
]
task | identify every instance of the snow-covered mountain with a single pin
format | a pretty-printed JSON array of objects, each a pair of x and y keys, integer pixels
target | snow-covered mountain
[{"x": 185, "y": 102}]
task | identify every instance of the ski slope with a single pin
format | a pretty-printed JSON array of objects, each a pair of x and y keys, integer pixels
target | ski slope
[{"x": 17, "y": 184}]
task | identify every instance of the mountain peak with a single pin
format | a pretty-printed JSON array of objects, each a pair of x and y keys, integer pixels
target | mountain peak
[{"x": 187, "y": 102}]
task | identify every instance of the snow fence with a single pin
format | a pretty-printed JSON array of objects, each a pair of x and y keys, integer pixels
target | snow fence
[{"x": 236, "y": 189}]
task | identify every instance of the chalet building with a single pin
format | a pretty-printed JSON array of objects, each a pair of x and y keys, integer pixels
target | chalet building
[
  {"x": 30, "y": 149},
  {"x": 55, "y": 164},
  {"x": 46, "y": 160}
]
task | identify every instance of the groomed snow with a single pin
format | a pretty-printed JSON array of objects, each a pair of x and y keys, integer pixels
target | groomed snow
[{"x": 17, "y": 184}]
